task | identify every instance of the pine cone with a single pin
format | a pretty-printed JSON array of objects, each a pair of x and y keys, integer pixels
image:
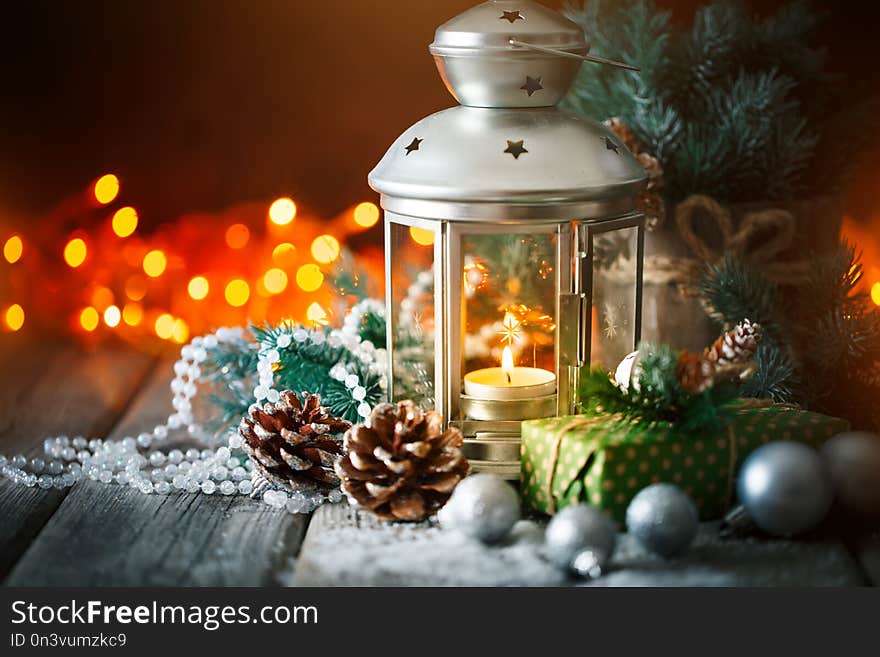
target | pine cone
[
  {"x": 400, "y": 464},
  {"x": 730, "y": 357},
  {"x": 737, "y": 346},
  {"x": 294, "y": 443}
]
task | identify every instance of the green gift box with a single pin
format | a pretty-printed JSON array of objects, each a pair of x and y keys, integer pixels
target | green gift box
[{"x": 604, "y": 461}]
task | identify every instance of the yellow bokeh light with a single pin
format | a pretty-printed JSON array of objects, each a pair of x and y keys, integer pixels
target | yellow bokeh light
[
  {"x": 316, "y": 314},
  {"x": 275, "y": 281},
  {"x": 284, "y": 255},
  {"x": 366, "y": 214},
  {"x": 282, "y": 211},
  {"x": 155, "y": 263},
  {"x": 13, "y": 248},
  {"x": 237, "y": 236},
  {"x": 198, "y": 287},
  {"x": 89, "y": 318},
  {"x": 75, "y": 252},
  {"x": 106, "y": 188},
  {"x": 14, "y": 317},
  {"x": 132, "y": 314},
  {"x": 325, "y": 248},
  {"x": 875, "y": 293},
  {"x": 164, "y": 326},
  {"x": 102, "y": 297},
  {"x": 180, "y": 331},
  {"x": 112, "y": 316},
  {"x": 309, "y": 277},
  {"x": 421, "y": 236},
  {"x": 124, "y": 221},
  {"x": 237, "y": 292}
]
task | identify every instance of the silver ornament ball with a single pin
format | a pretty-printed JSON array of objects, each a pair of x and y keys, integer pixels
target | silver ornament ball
[
  {"x": 853, "y": 459},
  {"x": 663, "y": 519},
  {"x": 785, "y": 488},
  {"x": 589, "y": 563},
  {"x": 575, "y": 529},
  {"x": 483, "y": 506}
]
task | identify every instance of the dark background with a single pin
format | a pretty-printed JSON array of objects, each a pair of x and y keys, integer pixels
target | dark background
[{"x": 199, "y": 104}]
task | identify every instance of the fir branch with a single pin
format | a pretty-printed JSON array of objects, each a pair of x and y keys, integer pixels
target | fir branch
[{"x": 775, "y": 375}]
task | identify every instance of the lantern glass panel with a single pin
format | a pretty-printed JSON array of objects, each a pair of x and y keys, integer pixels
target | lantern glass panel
[
  {"x": 411, "y": 284},
  {"x": 508, "y": 299},
  {"x": 615, "y": 297}
]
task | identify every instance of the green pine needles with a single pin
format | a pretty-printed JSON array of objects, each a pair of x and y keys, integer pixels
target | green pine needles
[
  {"x": 821, "y": 344},
  {"x": 737, "y": 107},
  {"x": 657, "y": 395}
]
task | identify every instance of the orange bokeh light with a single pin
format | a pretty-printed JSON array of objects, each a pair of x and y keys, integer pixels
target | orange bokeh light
[
  {"x": 309, "y": 277},
  {"x": 125, "y": 221},
  {"x": 75, "y": 252},
  {"x": 135, "y": 287},
  {"x": 102, "y": 297},
  {"x": 366, "y": 214},
  {"x": 132, "y": 314},
  {"x": 13, "y": 317},
  {"x": 198, "y": 287},
  {"x": 284, "y": 255},
  {"x": 164, "y": 326},
  {"x": 237, "y": 236},
  {"x": 875, "y": 293},
  {"x": 275, "y": 281},
  {"x": 237, "y": 292},
  {"x": 282, "y": 211},
  {"x": 316, "y": 314},
  {"x": 13, "y": 248},
  {"x": 421, "y": 236},
  {"x": 112, "y": 316},
  {"x": 325, "y": 249},
  {"x": 154, "y": 263},
  {"x": 89, "y": 318},
  {"x": 106, "y": 188}
]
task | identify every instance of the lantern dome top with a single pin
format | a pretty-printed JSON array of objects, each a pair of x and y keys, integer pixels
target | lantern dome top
[
  {"x": 539, "y": 157},
  {"x": 509, "y": 53}
]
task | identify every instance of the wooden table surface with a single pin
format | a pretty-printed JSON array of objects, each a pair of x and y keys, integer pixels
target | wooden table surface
[{"x": 106, "y": 535}]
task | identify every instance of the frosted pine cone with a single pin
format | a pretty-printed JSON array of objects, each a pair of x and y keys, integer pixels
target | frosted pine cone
[
  {"x": 400, "y": 464},
  {"x": 737, "y": 346},
  {"x": 295, "y": 442}
]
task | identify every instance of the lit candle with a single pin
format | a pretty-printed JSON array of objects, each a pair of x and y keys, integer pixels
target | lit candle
[{"x": 509, "y": 382}]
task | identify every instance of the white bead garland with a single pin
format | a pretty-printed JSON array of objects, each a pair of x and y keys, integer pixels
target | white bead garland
[{"x": 215, "y": 471}]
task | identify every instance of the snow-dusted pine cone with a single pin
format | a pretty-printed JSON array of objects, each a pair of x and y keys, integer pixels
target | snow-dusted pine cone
[
  {"x": 731, "y": 356},
  {"x": 294, "y": 442},
  {"x": 400, "y": 464}
]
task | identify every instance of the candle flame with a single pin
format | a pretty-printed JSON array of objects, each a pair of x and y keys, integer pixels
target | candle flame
[{"x": 507, "y": 363}]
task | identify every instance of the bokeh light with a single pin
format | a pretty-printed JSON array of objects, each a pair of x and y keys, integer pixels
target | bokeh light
[
  {"x": 180, "y": 331},
  {"x": 325, "y": 248},
  {"x": 13, "y": 248},
  {"x": 155, "y": 263},
  {"x": 164, "y": 326},
  {"x": 102, "y": 297},
  {"x": 282, "y": 211},
  {"x": 125, "y": 221},
  {"x": 106, "y": 188},
  {"x": 284, "y": 255},
  {"x": 366, "y": 214},
  {"x": 875, "y": 293},
  {"x": 316, "y": 314},
  {"x": 237, "y": 292},
  {"x": 275, "y": 281},
  {"x": 132, "y": 314},
  {"x": 89, "y": 318},
  {"x": 112, "y": 316},
  {"x": 135, "y": 287},
  {"x": 309, "y": 277},
  {"x": 421, "y": 236},
  {"x": 13, "y": 317},
  {"x": 198, "y": 287},
  {"x": 75, "y": 252},
  {"x": 237, "y": 236}
]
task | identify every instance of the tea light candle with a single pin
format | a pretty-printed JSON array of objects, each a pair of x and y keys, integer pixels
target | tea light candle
[{"x": 509, "y": 382}]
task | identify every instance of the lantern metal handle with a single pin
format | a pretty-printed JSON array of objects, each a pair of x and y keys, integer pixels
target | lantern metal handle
[{"x": 571, "y": 55}]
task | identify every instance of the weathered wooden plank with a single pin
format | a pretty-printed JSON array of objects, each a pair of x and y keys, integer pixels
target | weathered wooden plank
[
  {"x": 107, "y": 535},
  {"x": 867, "y": 550},
  {"x": 344, "y": 547},
  {"x": 49, "y": 390}
]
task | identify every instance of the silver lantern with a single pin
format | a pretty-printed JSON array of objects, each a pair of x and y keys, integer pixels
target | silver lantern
[{"x": 513, "y": 246}]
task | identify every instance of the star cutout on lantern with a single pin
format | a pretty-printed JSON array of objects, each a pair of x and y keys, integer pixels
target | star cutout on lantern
[
  {"x": 511, "y": 16},
  {"x": 610, "y": 145},
  {"x": 515, "y": 148},
  {"x": 414, "y": 145},
  {"x": 532, "y": 85}
]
